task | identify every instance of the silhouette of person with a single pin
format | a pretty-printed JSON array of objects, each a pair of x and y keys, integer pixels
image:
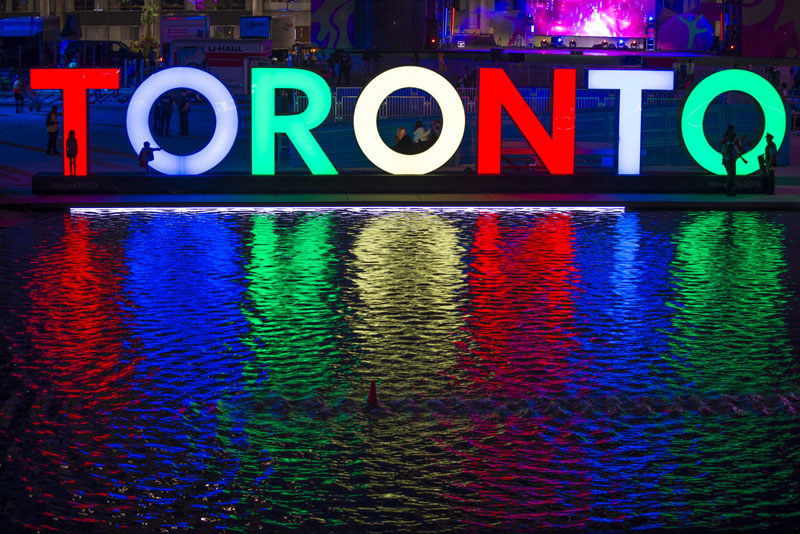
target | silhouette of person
[
  {"x": 183, "y": 112},
  {"x": 72, "y": 151},
  {"x": 165, "y": 103},
  {"x": 52, "y": 131},
  {"x": 731, "y": 151},
  {"x": 146, "y": 156},
  {"x": 770, "y": 159}
]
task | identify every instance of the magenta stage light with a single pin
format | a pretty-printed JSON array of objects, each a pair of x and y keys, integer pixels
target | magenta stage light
[{"x": 593, "y": 18}]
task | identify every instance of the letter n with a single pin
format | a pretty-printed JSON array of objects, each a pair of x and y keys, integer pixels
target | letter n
[{"x": 497, "y": 92}]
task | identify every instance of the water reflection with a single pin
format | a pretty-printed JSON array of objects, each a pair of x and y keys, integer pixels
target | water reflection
[
  {"x": 302, "y": 362},
  {"x": 730, "y": 345},
  {"x": 535, "y": 370},
  {"x": 407, "y": 283},
  {"x": 625, "y": 277},
  {"x": 184, "y": 298},
  {"x": 521, "y": 324},
  {"x": 730, "y": 300},
  {"x": 76, "y": 373}
]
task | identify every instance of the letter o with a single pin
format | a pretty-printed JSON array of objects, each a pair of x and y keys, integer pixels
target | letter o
[
  {"x": 696, "y": 104},
  {"x": 365, "y": 121},
  {"x": 217, "y": 95}
]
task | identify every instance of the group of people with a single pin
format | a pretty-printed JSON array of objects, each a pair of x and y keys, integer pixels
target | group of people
[
  {"x": 52, "y": 125},
  {"x": 732, "y": 151},
  {"x": 162, "y": 113},
  {"x": 420, "y": 140},
  {"x": 340, "y": 64}
]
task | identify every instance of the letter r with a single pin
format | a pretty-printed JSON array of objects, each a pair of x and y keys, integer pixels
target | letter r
[{"x": 265, "y": 83}]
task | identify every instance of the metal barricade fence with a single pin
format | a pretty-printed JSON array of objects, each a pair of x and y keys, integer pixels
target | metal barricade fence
[
  {"x": 583, "y": 102},
  {"x": 404, "y": 106},
  {"x": 661, "y": 98},
  {"x": 410, "y": 102}
]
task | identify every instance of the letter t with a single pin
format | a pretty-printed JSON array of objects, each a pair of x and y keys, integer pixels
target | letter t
[
  {"x": 74, "y": 83},
  {"x": 630, "y": 84}
]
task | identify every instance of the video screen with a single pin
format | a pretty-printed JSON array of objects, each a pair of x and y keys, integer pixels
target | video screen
[{"x": 591, "y": 18}]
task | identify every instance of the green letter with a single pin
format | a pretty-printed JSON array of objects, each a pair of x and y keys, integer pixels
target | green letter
[
  {"x": 297, "y": 127},
  {"x": 694, "y": 111}
]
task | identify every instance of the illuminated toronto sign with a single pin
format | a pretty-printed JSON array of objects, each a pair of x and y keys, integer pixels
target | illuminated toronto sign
[{"x": 495, "y": 93}]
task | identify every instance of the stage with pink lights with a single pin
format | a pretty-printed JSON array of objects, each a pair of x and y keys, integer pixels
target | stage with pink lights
[{"x": 592, "y": 18}]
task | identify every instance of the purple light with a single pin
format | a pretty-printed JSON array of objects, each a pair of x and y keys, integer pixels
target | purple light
[{"x": 592, "y": 18}]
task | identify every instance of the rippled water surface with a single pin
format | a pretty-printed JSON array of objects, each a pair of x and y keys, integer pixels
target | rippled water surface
[{"x": 534, "y": 369}]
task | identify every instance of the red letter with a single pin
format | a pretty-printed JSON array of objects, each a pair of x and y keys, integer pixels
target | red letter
[
  {"x": 496, "y": 90},
  {"x": 74, "y": 83}
]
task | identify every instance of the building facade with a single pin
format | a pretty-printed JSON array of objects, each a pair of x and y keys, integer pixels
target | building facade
[{"x": 119, "y": 20}]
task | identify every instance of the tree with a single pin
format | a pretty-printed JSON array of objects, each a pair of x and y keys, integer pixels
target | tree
[{"x": 150, "y": 12}]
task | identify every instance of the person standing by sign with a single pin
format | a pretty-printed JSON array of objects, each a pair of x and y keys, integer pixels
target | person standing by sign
[
  {"x": 183, "y": 112},
  {"x": 345, "y": 65},
  {"x": 165, "y": 103},
  {"x": 19, "y": 95},
  {"x": 51, "y": 122},
  {"x": 770, "y": 159},
  {"x": 435, "y": 131},
  {"x": 731, "y": 151},
  {"x": 72, "y": 151},
  {"x": 35, "y": 102},
  {"x": 146, "y": 156},
  {"x": 156, "y": 116}
]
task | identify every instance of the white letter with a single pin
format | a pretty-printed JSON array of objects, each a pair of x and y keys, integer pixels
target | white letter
[
  {"x": 227, "y": 120},
  {"x": 365, "y": 121},
  {"x": 630, "y": 84}
]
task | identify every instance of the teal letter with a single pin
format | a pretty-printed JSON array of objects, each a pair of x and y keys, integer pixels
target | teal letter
[
  {"x": 694, "y": 111},
  {"x": 297, "y": 127}
]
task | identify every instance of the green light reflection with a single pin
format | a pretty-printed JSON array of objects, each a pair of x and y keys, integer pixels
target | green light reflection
[
  {"x": 734, "y": 450},
  {"x": 299, "y": 368},
  {"x": 731, "y": 302}
]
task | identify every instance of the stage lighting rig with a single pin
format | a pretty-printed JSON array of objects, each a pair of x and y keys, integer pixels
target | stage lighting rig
[
  {"x": 544, "y": 43},
  {"x": 572, "y": 43}
]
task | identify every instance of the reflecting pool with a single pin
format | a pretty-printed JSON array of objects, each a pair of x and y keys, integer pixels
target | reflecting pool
[{"x": 535, "y": 369}]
